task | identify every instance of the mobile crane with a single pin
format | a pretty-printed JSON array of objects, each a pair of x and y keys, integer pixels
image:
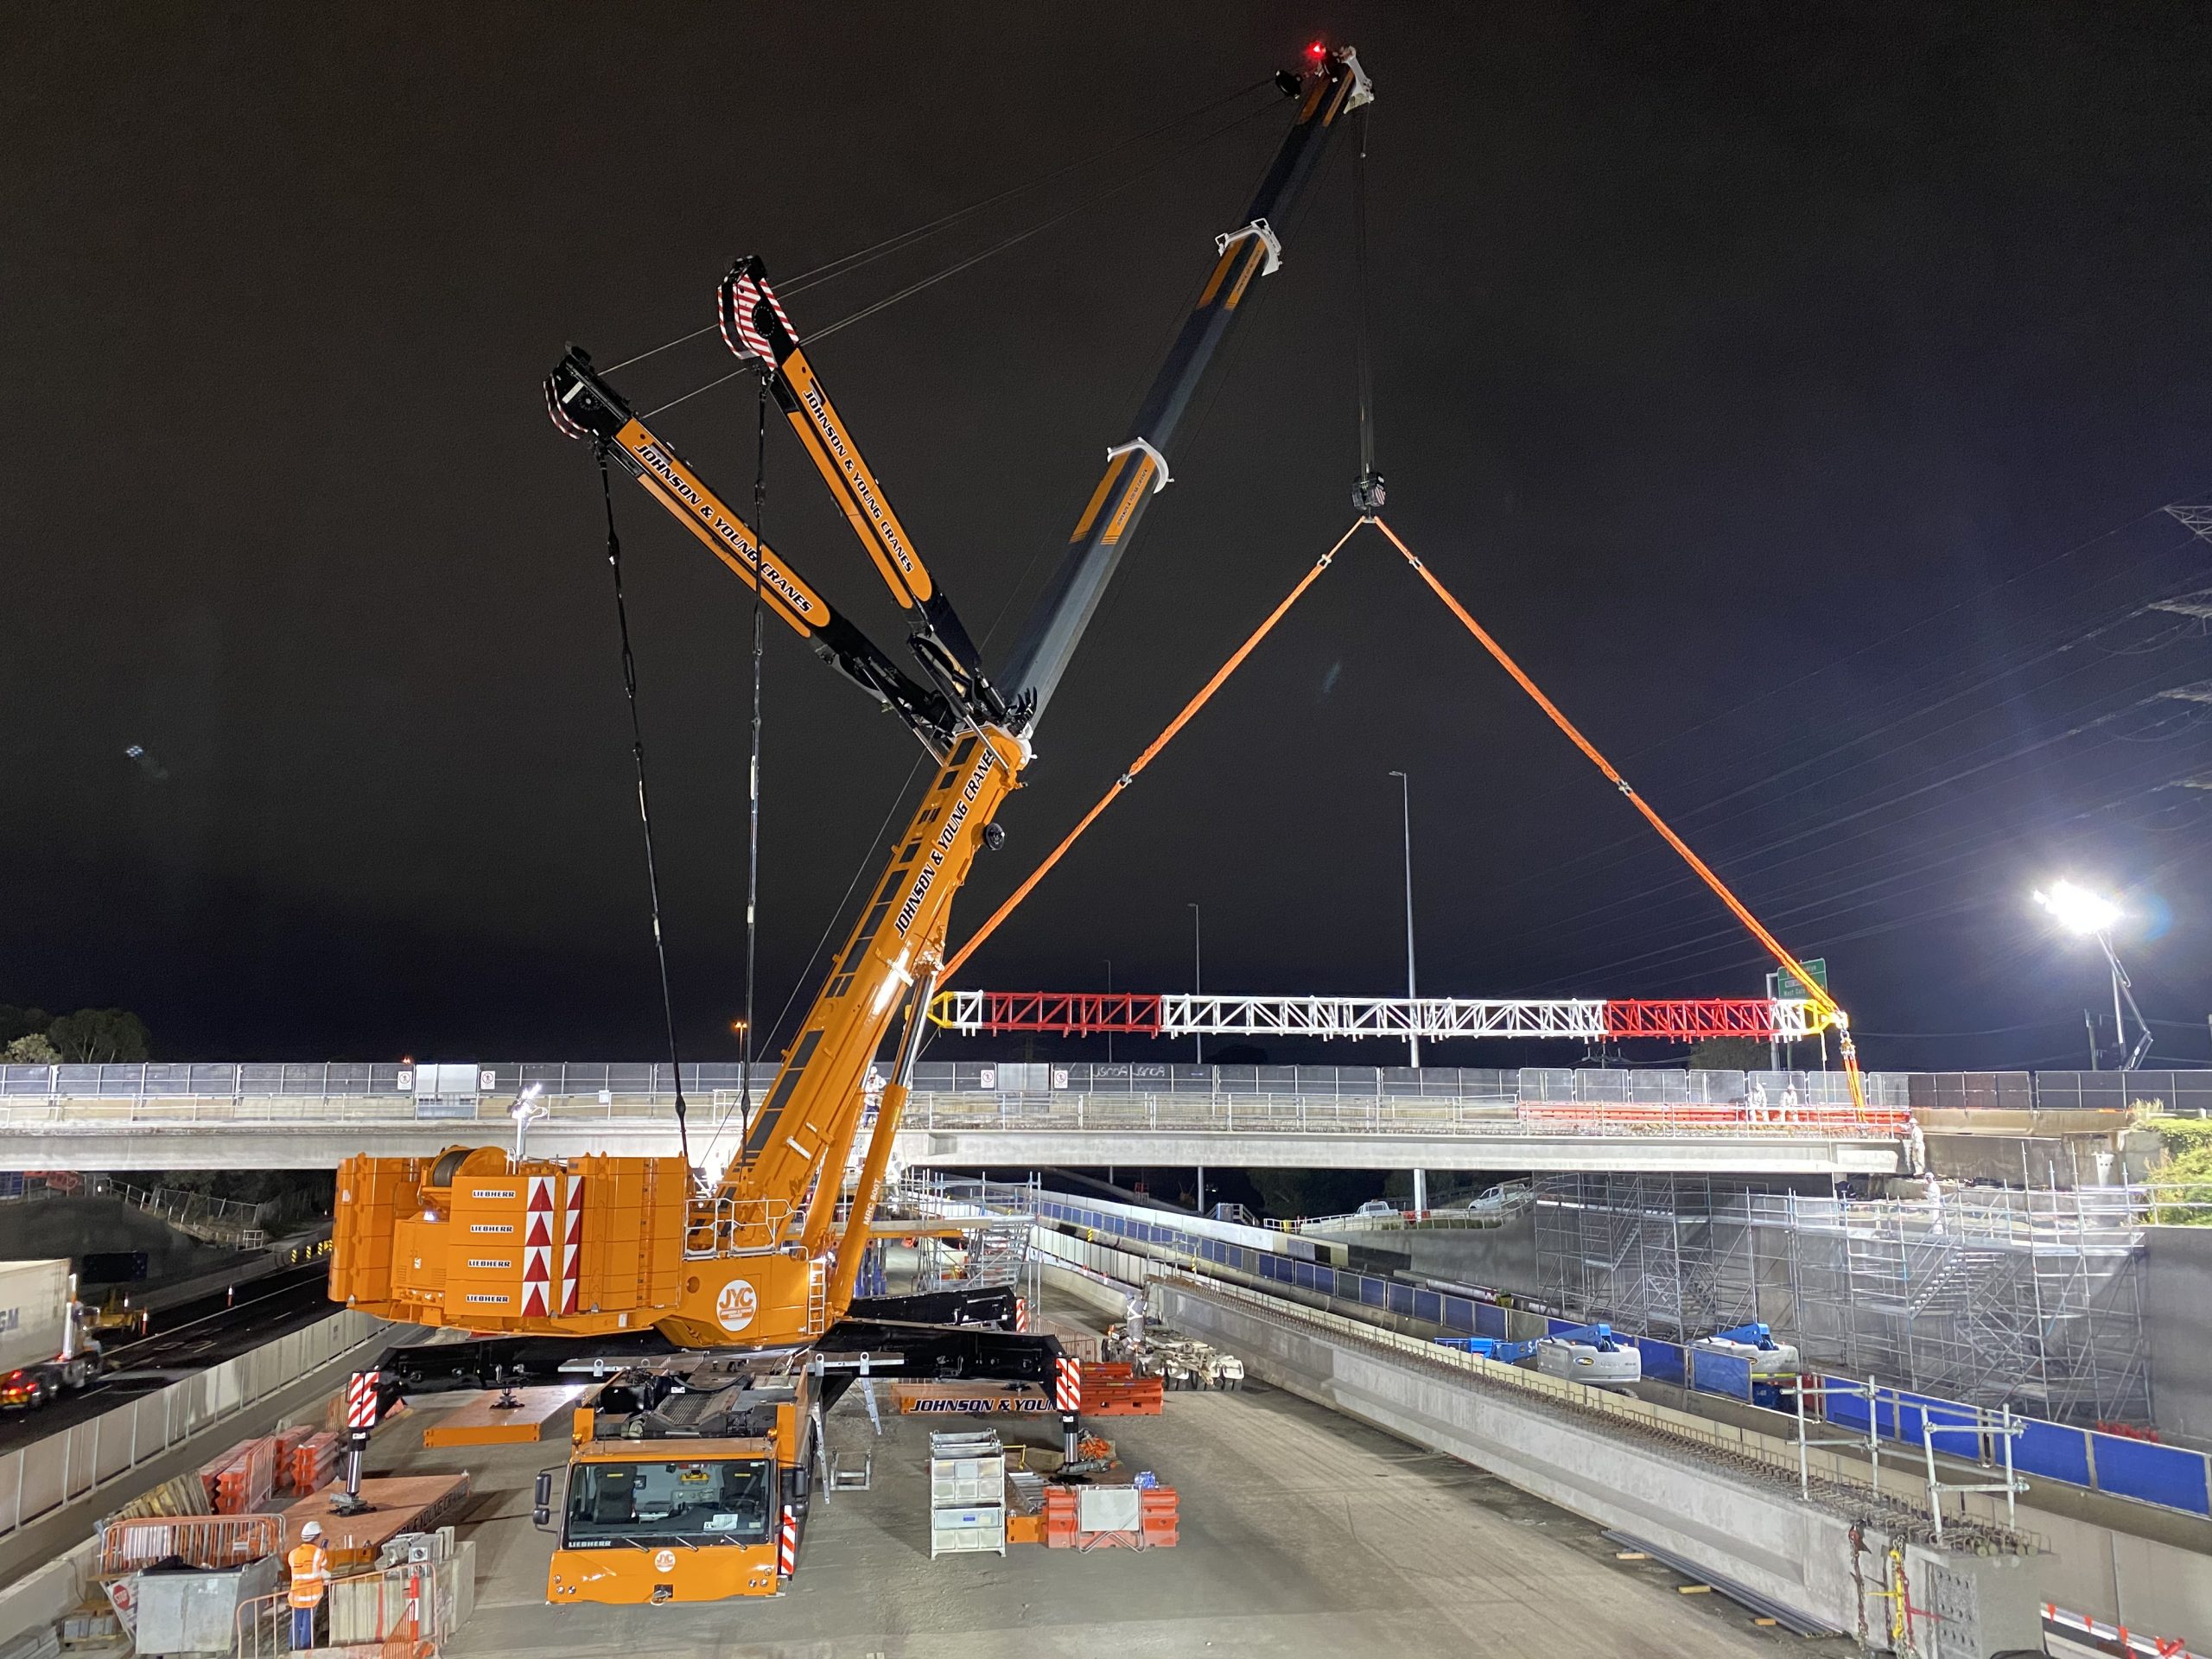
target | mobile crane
[{"x": 548, "y": 1259}]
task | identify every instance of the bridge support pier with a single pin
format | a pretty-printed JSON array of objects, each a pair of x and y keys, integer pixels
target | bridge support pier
[{"x": 1421, "y": 1191}]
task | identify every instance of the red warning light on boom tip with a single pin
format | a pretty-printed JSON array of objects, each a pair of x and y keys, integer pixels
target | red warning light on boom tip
[{"x": 1318, "y": 50}]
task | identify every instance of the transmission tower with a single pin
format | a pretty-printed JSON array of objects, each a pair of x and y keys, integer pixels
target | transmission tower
[{"x": 2197, "y": 520}]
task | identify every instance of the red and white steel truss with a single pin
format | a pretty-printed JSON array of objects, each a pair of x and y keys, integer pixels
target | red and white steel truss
[{"x": 1433, "y": 1019}]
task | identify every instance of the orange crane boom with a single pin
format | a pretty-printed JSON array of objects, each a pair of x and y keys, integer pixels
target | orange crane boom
[{"x": 592, "y": 1247}]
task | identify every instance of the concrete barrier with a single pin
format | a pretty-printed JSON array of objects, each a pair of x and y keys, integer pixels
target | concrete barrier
[
  {"x": 1737, "y": 1524},
  {"x": 87, "y": 1458}
]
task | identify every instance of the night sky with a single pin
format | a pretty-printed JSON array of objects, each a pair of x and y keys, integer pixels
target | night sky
[{"x": 1794, "y": 389}]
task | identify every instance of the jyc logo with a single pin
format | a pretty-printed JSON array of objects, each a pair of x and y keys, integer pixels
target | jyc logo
[{"x": 736, "y": 1306}]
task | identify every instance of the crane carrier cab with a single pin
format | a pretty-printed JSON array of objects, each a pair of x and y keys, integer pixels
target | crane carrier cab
[{"x": 680, "y": 1483}]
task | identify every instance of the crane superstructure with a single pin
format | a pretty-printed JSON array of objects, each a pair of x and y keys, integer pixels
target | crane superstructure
[{"x": 594, "y": 1247}]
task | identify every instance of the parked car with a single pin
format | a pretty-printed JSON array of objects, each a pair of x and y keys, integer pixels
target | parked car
[{"x": 1376, "y": 1207}]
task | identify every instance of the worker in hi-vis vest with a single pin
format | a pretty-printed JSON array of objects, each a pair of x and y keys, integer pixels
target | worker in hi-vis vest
[{"x": 310, "y": 1565}]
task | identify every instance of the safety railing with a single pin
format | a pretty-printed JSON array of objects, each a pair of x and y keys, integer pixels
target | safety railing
[
  {"x": 206, "y": 1540},
  {"x": 1299, "y": 1115},
  {"x": 394, "y": 1614},
  {"x": 735, "y": 1227},
  {"x": 586, "y": 1085},
  {"x": 1063, "y": 1113}
]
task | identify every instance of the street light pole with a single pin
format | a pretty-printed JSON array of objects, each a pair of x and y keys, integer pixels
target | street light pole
[
  {"x": 1198, "y": 982},
  {"x": 1412, "y": 992}
]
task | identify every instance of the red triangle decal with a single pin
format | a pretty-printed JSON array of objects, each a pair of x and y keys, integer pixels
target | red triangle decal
[
  {"x": 539, "y": 1238},
  {"x": 541, "y": 1193},
  {"x": 534, "y": 1273},
  {"x": 533, "y": 1305},
  {"x": 575, "y": 1237},
  {"x": 569, "y": 1297}
]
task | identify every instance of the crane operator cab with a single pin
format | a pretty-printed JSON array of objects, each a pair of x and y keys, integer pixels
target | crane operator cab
[{"x": 679, "y": 1484}]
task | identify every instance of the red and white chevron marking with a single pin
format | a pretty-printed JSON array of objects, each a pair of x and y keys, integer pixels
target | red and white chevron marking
[
  {"x": 572, "y": 1245},
  {"x": 787, "y": 1545},
  {"x": 1067, "y": 1384},
  {"x": 1021, "y": 1315},
  {"x": 361, "y": 1400},
  {"x": 537, "y": 1250}
]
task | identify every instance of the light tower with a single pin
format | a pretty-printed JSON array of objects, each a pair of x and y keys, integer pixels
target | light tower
[{"x": 2081, "y": 911}]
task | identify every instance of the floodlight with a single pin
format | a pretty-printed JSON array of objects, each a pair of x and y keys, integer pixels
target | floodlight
[{"x": 2078, "y": 910}]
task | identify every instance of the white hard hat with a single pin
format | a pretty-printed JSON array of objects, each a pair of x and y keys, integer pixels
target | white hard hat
[{"x": 310, "y": 1532}]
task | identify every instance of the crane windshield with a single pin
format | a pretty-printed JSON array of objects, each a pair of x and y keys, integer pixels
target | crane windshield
[{"x": 711, "y": 1500}]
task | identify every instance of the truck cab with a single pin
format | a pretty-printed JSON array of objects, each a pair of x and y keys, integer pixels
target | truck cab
[
  {"x": 680, "y": 1483},
  {"x": 47, "y": 1347}
]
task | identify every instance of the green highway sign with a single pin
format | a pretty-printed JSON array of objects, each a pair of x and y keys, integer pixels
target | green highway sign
[{"x": 1816, "y": 968}]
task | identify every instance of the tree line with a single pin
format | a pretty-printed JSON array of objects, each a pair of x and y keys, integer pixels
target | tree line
[{"x": 90, "y": 1036}]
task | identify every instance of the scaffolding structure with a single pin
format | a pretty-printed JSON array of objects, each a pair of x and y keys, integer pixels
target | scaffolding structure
[
  {"x": 993, "y": 1253},
  {"x": 2026, "y": 1299},
  {"x": 1670, "y": 1256}
]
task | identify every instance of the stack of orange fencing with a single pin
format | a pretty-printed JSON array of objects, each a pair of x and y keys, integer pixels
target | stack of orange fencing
[
  {"x": 1118, "y": 1391},
  {"x": 209, "y": 1541},
  {"x": 287, "y": 1447},
  {"x": 241, "y": 1480},
  {"x": 1162, "y": 1516},
  {"x": 314, "y": 1459}
]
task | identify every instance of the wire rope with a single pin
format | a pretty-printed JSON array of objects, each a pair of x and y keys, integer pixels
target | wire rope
[
  {"x": 845, "y": 263},
  {"x": 1136, "y": 767},
  {"x": 645, "y": 804}
]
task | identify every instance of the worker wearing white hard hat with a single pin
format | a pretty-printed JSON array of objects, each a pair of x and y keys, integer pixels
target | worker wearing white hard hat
[{"x": 310, "y": 1565}]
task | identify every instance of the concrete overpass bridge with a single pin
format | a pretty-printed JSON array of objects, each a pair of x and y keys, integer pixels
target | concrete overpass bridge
[{"x": 968, "y": 1114}]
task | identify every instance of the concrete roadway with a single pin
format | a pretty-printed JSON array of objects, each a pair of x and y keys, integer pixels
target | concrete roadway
[{"x": 1303, "y": 1533}]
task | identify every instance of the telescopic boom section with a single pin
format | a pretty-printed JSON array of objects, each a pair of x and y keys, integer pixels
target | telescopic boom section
[
  {"x": 1137, "y": 468},
  {"x": 755, "y": 327},
  {"x": 584, "y": 406}
]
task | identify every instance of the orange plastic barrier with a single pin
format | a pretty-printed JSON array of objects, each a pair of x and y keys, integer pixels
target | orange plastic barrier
[
  {"x": 1161, "y": 1518},
  {"x": 1158, "y": 1522},
  {"x": 1059, "y": 1517},
  {"x": 1116, "y": 1390}
]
